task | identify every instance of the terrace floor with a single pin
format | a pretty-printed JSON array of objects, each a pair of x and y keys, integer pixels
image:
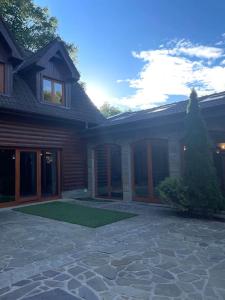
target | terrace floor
[{"x": 156, "y": 255}]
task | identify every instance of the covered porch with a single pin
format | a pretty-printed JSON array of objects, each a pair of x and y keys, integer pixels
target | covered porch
[{"x": 130, "y": 169}]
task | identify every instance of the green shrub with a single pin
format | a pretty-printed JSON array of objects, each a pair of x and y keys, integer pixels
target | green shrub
[{"x": 173, "y": 192}]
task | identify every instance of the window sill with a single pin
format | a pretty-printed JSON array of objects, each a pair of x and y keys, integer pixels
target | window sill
[{"x": 54, "y": 104}]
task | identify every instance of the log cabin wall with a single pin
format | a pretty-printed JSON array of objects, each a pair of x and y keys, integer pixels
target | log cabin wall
[{"x": 18, "y": 132}]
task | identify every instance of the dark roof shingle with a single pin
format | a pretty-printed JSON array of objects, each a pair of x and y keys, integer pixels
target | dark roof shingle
[
  {"x": 23, "y": 100},
  {"x": 164, "y": 110}
]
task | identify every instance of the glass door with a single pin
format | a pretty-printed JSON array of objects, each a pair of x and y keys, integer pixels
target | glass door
[
  {"x": 142, "y": 175},
  {"x": 7, "y": 175},
  {"x": 28, "y": 187},
  {"x": 49, "y": 173}
]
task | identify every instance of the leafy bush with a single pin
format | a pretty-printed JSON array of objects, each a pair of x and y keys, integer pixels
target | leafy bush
[{"x": 173, "y": 192}]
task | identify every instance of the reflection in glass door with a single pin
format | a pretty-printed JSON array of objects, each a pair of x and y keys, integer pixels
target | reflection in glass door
[
  {"x": 150, "y": 167},
  {"x": 28, "y": 174},
  {"x": 49, "y": 172},
  {"x": 142, "y": 171}
]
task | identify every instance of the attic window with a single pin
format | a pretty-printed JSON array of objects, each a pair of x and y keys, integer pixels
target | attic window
[
  {"x": 2, "y": 78},
  {"x": 53, "y": 91}
]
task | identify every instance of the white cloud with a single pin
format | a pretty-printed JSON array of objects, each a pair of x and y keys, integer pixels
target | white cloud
[
  {"x": 171, "y": 70},
  {"x": 98, "y": 94}
]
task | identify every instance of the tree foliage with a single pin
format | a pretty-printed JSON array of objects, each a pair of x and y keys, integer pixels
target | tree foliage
[
  {"x": 108, "y": 110},
  {"x": 203, "y": 192},
  {"x": 198, "y": 190},
  {"x": 31, "y": 24}
]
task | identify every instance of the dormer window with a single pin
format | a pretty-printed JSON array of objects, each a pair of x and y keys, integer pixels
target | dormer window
[
  {"x": 53, "y": 91},
  {"x": 2, "y": 78}
]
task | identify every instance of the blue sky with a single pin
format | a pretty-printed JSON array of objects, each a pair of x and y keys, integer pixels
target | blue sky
[{"x": 142, "y": 53}]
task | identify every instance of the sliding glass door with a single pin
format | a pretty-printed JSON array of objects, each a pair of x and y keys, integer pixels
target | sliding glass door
[
  {"x": 150, "y": 167},
  {"x": 108, "y": 171},
  {"x": 28, "y": 174},
  {"x": 7, "y": 175},
  {"x": 49, "y": 173}
]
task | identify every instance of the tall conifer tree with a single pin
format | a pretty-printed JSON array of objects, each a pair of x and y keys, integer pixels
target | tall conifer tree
[{"x": 203, "y": 191}]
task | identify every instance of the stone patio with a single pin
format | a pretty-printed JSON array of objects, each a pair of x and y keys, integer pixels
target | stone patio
[{"x": 156, "y": 255}]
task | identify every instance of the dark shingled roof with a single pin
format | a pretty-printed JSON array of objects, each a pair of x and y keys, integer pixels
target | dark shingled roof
[
  {"x": 23, "y": 100},
  {"x": 32, "y": 57},
  {"x": 164, "y": 110}
]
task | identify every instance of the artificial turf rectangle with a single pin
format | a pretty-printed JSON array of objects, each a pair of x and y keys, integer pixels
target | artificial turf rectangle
[{"x": 75, "y": 213}]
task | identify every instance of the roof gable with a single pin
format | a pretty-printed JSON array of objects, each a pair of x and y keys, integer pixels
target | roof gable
[
  {"x": 42, "y": 56},
  {"x": 10, "y": 41},
  {"x": 23, "y": 101}
]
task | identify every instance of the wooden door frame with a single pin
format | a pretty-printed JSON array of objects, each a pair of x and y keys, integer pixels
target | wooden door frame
[
  {"x": 150, "y": 197},
  {"x": 107, "y": 149},
  {"x": 19, "y": 198},
  {"x": 38, "y": 197},
  {"x": 59, "y": 169}
]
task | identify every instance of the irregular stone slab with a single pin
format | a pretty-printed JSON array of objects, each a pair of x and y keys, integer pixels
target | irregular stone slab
[
  {"x": 35, "y": 292},
  {"x": 187, "y": 277},
  {"x": 217, "y": 276},
  {"x": 96, "y": 260},
  {"x": 132, "y": 281},
  {"x": 50, "y": 273},
  {"x": 167, "y": 252},
  {"x": 197, "y": 296},
  {"x": 4, "y": 290},
  {"x": 76, "y": 270},
  {"x": 73, "y": 284},
  {"x": 54, "y": 283},
  {"x": 167, "y": 265},
  {"x": 199, "y": 272},
  {"x": 108, "y": 296},
  {"x": 191, "y": 260},
  {"x": 87, "y": 294},
  {"x": 88, "y": 274},
  {"x": 22, "y": 282},
  {"x": 167, "y": 289},
  {"x": 38, "y": 277},
  {"x": 20, "y": 292},
  {"x": 199, "y": 284},
  {"x": 162, "y": 273},
  {"x": 62, "y": 277},
  {"x": 186, "y": 286},
  {"x": 176, "y": 270},
  {"x": 137, "y": 266},
  {"x": 158, "y": 279},
  {"x": 130, "y": 291},
  {"x": 56, "y": 294},
  {"x": 159, "y": 298},
  {"x": 107, "y": 271},
  {"x": 125, "y": 260},
  {"x": 149, "y": 254},
  {"x": 97, "y": 284}
]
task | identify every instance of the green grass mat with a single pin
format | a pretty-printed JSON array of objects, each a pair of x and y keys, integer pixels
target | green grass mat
[{"x": 75, "y": 213}]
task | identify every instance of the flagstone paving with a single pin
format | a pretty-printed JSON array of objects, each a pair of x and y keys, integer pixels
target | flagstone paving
[{"x": 156, "y": 255}]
